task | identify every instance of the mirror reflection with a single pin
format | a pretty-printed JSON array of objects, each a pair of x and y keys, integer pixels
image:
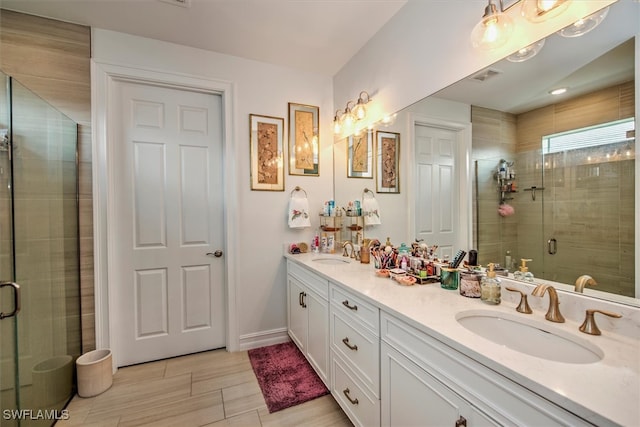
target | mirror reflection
[{"x": 553, "y": 178}]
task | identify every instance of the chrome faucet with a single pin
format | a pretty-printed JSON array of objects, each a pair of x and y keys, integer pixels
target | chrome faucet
[
  {"x": 345, "y": 252},
  {"x": 584, "y": 280},
  {"x": 553, "y": 314}
]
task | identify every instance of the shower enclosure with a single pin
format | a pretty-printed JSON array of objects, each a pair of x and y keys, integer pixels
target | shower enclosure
[
  {"x": 39, "y": 258},
  {"x": 574, "y": 208}
]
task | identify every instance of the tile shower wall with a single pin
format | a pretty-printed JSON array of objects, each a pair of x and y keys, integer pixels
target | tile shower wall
[
  {"x": 493, "y": 139},
  {"x": 588, "y": 203},
  {"x": 52, "y": 58}
]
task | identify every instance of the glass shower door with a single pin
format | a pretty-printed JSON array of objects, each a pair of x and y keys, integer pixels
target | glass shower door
[
  {"x": 8, "y": 325},
  {"x": 39, "y": 250}
]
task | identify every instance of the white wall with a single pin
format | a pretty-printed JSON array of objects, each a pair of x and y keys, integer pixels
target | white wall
[{"x": 259, "y": 88}]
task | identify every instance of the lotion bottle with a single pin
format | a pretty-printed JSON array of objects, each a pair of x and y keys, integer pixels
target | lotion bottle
[
  {"x": 523, "y": 272},
  {"x": 490, "y": 287}
]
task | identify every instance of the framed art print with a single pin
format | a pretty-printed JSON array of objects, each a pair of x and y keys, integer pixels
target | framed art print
[
  {"x": 360, "y": 155},
  {"x": 267, "y": 166},
  {"x": 303, "y": 140},
  {"x": 387, "y": 162}
]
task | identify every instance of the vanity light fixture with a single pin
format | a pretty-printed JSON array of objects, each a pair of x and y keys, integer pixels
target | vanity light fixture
[
  {"x": 347, "y": 120},
  {"x": 543, "y": 10},
  {"x": 360, "y": 111},
  {"x": 493, "y": 30},
  {"x": 527, "y": 52},
  {"x": 584, "y": 25}
]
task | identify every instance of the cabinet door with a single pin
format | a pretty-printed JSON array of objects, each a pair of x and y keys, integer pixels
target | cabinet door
[
  {"x": 297, "y": 314},
  {"x": 318, "y": 335},
  {"x": 412, "y": 397}
]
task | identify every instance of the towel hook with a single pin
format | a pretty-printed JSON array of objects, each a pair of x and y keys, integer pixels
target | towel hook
[{"x": 298, "y": 188}]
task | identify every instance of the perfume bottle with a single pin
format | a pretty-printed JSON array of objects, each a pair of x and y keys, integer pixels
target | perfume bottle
[{"x": 490, "y": 287}]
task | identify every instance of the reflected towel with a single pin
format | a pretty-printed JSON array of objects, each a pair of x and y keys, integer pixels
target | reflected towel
[
  {"x": 299, "y": 212},
  {"x": 371, "y": 211}
]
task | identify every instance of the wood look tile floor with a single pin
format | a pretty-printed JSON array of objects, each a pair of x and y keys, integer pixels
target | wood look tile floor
[{"x": 214, "y": 388}]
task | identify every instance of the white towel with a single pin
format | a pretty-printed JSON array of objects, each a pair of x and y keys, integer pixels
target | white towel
[
  {"x": 370, "y": 211},
  {"x": 299, "y": 212}
]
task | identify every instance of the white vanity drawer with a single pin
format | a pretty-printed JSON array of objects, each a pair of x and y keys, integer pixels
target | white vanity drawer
[
  {"x": 315, "y": 282},
  {"x": 359, "y": 348},
  {"x": 355, "y": 308},
  {"x": 357, "y": 402}
]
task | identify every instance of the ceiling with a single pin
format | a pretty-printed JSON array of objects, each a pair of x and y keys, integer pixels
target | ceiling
[{"x": 312, "y": 35}]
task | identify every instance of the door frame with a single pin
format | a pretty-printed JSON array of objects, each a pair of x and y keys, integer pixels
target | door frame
[
  {"x": 104, "y": 77},
  {"x": 463, "y": 173}
]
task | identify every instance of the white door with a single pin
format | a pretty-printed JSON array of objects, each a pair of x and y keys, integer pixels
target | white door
[
  {"x": 168, "y": 201},
  {"x": 436, "y": 197}
]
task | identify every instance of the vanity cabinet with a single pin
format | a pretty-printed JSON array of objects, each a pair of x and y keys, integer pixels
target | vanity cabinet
[
  {"x": 308, "y": 316},
  {"x": 355, "y": 356},
  {"x": 425, "y": 382},
  {"x": 413, "y": 397}
]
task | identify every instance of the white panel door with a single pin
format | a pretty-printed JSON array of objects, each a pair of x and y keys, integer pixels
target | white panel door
[
  {"x": 169, "y": 215},
  {"x": 436, "y": 198}
]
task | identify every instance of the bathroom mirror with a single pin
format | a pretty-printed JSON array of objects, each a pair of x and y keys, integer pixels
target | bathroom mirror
[{"x": 517, "y": 89}]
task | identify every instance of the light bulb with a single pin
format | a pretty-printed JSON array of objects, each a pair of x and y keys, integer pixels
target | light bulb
[
  {"x": 337, "y": 126},
  {"x": 542, "y": 10},
  {"x": 493, "y": 30},
  {"x": 360, "y": 111}
]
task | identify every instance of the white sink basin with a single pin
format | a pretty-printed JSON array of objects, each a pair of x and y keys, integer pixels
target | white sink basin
[
  {"x": 330, "y": 260},
  {"x": 530, "y": 336}
]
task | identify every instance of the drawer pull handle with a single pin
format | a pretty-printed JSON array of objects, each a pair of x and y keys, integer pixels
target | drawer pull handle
[
  {"x": 350, "y": 307},
  {"x": 353, "y": 401},
  {"x": 304, "y": 303},
  {"x": 345, "y": 340},
  {"x": 462, "y": 422}
]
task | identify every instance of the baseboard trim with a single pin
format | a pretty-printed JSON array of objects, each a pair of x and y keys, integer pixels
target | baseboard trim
[{"x": 263, "y": 338}]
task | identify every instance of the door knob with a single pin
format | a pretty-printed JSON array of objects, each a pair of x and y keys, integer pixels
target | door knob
[{"x": 216, "y": 254}]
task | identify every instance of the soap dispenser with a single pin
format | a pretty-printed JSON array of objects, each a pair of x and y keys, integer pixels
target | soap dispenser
[
  {"x": 523, "y": 272},
  {"x": 490, "y": 287}
]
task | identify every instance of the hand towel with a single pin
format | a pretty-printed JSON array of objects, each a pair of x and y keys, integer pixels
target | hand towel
[
  {"x": 370, "y": 211},
  {"x": 299, "y": 212}
]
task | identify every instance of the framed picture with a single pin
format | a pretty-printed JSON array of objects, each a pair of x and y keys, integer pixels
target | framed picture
[
  {"x": 387, "y": 162},
  {"x": 360, "y": 155},
  {"x": 267, "y": 165},
  {"x": 304, "y": 140}
]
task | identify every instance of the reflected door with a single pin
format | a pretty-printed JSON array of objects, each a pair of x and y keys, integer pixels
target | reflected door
[{"x": 436, "y": 200}]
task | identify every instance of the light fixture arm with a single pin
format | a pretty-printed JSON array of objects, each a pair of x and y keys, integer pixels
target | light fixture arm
[{"x": 360, "y": 98}]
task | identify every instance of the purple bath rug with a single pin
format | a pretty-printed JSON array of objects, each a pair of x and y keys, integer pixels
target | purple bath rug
[{"x": 285, "y": 377}]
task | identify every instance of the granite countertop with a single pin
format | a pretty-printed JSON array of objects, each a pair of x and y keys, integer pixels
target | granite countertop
[{"x": 604, "y": 392}]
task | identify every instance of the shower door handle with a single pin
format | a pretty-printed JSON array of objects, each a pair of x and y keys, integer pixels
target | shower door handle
[
  {"x": 552, "y": 246},
  {"x": 16, "y": 299}
]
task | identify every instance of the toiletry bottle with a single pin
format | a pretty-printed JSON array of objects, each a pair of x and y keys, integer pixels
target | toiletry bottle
[
  {"x": 323, "y": 244},
  {"x": 523, "y": 272},
  {"x": 490, "y": 287},
  {"x": 507, "y": 260}
]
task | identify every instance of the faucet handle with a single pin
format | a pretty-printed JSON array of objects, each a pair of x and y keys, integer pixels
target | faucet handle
[
  {"x": 589, "y": 325},
  {"x": 523, "y": 307}
]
